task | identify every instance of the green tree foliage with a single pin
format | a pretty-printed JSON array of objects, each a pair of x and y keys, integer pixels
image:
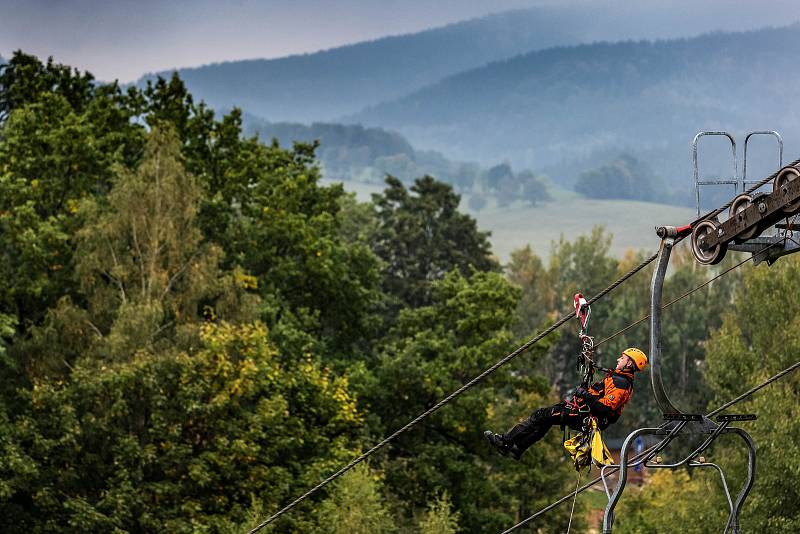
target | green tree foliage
[
  {"x": 175, "y": 441},
  {"x": 431, "y": 352},
  {"x": 757, "y": 339},
  {"x": 182, "y": 309},
  {"x": 266, "y": 206},
  {"x": 532, "y": 189},
  {"x": 674, "y": 501},
  {"x": 421, "y": 236},
  {"x": 355, "y": 506},
  {"x": 439, "y": 518},
  {"x": 624, "y": 177},
  {"x": 60, "y": 141},
  {"x": 585, "y": 266},
  {"x": 24, "y": 79}
]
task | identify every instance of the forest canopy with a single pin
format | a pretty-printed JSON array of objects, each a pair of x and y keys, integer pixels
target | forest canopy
[{"x": 194, "y": 330}]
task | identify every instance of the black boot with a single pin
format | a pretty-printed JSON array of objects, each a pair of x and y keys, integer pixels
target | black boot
[{"x": 500, "y": 445}]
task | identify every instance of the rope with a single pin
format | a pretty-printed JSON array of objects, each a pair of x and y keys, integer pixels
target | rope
[
  {"x": 449, "y": 398},
  {"x": 572, "y": 512},
  {"x": 644, "y": 453},
  {"x": 579, "y": 490}
]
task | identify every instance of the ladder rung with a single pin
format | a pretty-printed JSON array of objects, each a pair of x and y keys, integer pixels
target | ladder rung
[
  {"x": 682, "y": 417},
  {"x": 737, "y": 417}
]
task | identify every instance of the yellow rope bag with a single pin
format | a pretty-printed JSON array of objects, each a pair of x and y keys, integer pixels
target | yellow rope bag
[{"x": 588, "y": 446}]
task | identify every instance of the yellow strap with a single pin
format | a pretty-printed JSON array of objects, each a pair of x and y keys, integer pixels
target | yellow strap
[{"x": 600, "y": 453}]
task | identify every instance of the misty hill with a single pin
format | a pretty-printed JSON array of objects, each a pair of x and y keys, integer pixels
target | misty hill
[
  {"x": 330, "y": 83},
  {"x": 551, "y": 108},
  {"x": 326, "y": 85},
  {"x": 367, "y": 155}
]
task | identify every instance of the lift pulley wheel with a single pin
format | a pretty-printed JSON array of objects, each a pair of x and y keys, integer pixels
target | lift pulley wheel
[
  {"x": 739, "y": 204},
  {"x": 786, "y": 175},
  {"x": 707, "y": 255}
]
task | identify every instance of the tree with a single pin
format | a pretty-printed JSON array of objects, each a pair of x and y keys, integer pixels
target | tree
[
  {"x": 431, "y": 352},
  {"x": 497, "y": 174},
  {"x": 60, "y": 139},
  {"x": 173, "y": 441},
  {"x": 355, "y": 505},
  {"x": 440, "y": 517},
  {"x": 422, "y": 236},
  {"x": 534, "y": 190},
  {"x": 526, "y": 271},
  {"x": 624, "y": 177},
  {"x": 585, "y": 266},
  {"x": 24, "y": 79}
]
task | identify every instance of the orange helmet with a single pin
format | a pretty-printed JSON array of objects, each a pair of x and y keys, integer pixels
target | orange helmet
[{"x": 639, "y": 358}]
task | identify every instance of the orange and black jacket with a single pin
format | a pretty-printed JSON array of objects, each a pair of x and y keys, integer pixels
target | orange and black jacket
[{"x": 607, "y": 398}]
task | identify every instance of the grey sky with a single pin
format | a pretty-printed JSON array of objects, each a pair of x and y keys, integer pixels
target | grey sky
[{"x": 125, "y": 38}]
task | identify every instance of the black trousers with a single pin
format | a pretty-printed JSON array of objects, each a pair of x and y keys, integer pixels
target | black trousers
[{"x": 531, "y": 429}]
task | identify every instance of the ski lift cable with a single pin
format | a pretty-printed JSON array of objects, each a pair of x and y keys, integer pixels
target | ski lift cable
[
  {"x": 486, "y": 372},
  {"x": 644, "y": 453},
  {"x": 450, "y": 397},
  {"x": 686, "y": 294}
]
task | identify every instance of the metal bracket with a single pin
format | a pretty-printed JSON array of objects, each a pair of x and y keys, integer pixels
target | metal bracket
[
  {"x": 656, "y": 288},
  {"x": 765, "y": 210},
  {"x": 766, "y": 248}
]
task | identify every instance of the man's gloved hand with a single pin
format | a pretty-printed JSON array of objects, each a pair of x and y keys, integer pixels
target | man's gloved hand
[{"x": 582, "y": 392}]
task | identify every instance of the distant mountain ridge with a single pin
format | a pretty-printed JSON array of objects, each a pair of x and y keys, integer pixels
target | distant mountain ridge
[
  {"x": 330, "y": 83},
  {"x": 326, "y": 85},
  {"x": 545, "y": 107}
]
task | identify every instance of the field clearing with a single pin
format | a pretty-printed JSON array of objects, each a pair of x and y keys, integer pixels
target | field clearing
[{"x": 630, "y": 222}]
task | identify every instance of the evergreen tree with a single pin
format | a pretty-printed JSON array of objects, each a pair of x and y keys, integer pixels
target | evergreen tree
[{"x": 422, "y": 236}]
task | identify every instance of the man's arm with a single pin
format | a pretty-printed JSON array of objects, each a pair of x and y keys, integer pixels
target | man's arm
[{"x": 603, "y": 405}]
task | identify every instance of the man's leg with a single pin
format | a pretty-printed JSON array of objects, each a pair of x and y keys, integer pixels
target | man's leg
[
  {"x": 540, "y": 423},
  {"x": 528, "y": 431}
]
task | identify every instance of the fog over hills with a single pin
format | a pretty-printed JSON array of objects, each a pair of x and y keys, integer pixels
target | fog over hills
[
  {"x": 329, "y": 84},
  {"x": 550, "y": 108}
]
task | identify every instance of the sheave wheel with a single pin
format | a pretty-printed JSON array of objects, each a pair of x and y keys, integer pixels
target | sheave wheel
[
  {"x": 710, "y": 256},
  {"x": 786, "y": 175},
  {"x": 739, "y": 204}
]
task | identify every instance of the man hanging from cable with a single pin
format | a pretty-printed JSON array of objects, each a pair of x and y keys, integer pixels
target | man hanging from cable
[{"x": 604, "y": 400}]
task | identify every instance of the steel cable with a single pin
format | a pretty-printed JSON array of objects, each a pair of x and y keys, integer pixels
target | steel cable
[
  {"x": 644, "y": 453},
  {"x": 450, "y": 397},
  {"x": 688, "y": 293},
  {"x": 719, "y": 210},
  {"x": 485, "y": 373},
  {"x": 754, "y": 389}
]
